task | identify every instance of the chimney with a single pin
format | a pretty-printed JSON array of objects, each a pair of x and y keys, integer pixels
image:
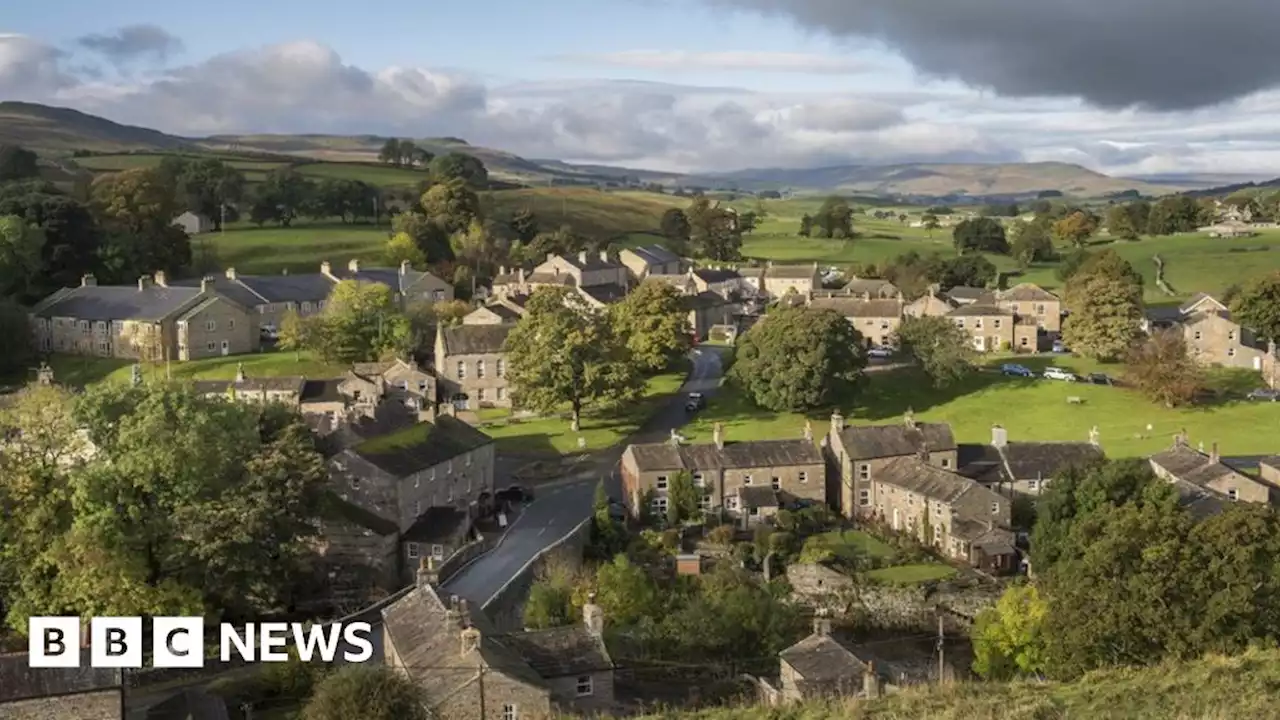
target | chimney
[
  {"x": 550, "y": 257},
  {"x": 582, "y": 257},
  {"x": 404, "y": 267},
  {"x": 231, "y": 273},
  {"x": 207, "y": 283},
  {"x": 808, "y": 431},
  {"x": 923, "y": 451},
  {"x": 160, "y": 278},
  {"x": 1214, "y": 457},
  {"x": 991, "y": 525},
  {"x": 909, "y": 418},
  {"x": 502, "y": 270},
  {"x": 424, "y": 572},
  {"x": 353, "y": 265},
  {"x": 470, "y": 640},
  {"x": 837, "y": 421},
  {"x": 88, "y": 281},
  {"x": 593, "y": 616},
  {"x": 717, "y": 436},
  {"x": 604, "y": 256},
  {"x": 999, "y": 436},
  {"x": 520, "y": 275},
  {"x": 821, "y": 624},
  {"x": 326, "y": 268},
  {"x": 870, "y": 682},
  {"x": 144, "y": 282}
]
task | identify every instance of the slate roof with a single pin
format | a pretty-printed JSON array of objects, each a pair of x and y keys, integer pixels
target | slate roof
[
  {"x": 230, "y": 289},
  {"x": 475, "y": 339},
  {"x": 1199, "y": 502},
  {"x": 823, "y": 658},
  {"x": 1191, "y": 466},
  {"x": 717, "y": 275},
  {"x": 322, "y": 391},
  {"x": 857, "y": 307},
  {"x": 991, "y": 540},
  {"x": 1273, "y": 461},
  {"x": 304, "y": 287},
  {"x": 1028, "y": 292},
  {"x": 758, "y": 496},
  {"x": 970, "y": 294},
  {"x": 251, "y": 385},
  {"x": 118, "y": 302},
  {"x": 437, "y": 523},
  {"x": 608, "y": 293},
  {"x": 503, "y": 312},
  {"x": 550, "y": 278},
  {"x": 702, "y": 301},
  {"x": 980, "y": 310},
  {"x": 18, "y": 681},
  {"x": 391, "y": 277},
  {"x": 1034, "y": 460},
  {"x": 559, "y": 652},
  {"x": 871, "y": 286},
  {"x": 790, "y": 272},
  {"x": 1163, "y": 314},
  {"x": 867, "y": 442},
  {"x": 1196, "y": 299},
  {"x": 749, "y": 454},
  {"x": 592, "y": 262},
  {"x": 980, "y": 463},
  {"x": 336, "y": 509},
  {"x": 422, "y": 445},
  {"x": 655, "y": 255},
  {"x": 915, "y": 475}
]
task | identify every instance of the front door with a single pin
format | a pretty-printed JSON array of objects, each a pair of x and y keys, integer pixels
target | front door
[
  {"x": 897, "y": 520},
  {"x": 226, "y": 347}
]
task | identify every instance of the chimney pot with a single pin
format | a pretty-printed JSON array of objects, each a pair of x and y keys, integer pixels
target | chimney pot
[
  {"x": 837, "y": 421},
  {"x": 717, "y": 436},
  {"x": 593, "y": 616},
  {"x": 206, "y": 284},
  {"x": 1214, "y": 457},
  {"x": 144, "y": 282},
  {"x": 160, "y": 278},
  {"x": 604, "y": 256},
  {"x": 353, "y": 265},
  {"x": 231, "y": 273},
  {"x": 582, "y": 257},
  {"x": 999, "y": 436}
]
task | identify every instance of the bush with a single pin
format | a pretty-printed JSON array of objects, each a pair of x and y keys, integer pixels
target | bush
[{"x": 722, "y": 535}]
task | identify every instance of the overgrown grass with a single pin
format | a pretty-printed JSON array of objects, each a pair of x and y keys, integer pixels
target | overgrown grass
[
  {"x": 1214, "y": 688},
  {"x": 851, "y": 544},
  {"x": 1029, "y": 409},
  {"x": 79, "y": 371},
  {"x": 912, "y": 574}
]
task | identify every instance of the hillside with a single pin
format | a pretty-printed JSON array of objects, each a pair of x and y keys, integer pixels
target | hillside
[
  {"x": 50, "y": 130},
  {"x": 1218, "y": 688}
]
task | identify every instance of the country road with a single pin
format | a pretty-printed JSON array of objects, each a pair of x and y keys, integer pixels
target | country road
[{"x": 556, "y": 510}]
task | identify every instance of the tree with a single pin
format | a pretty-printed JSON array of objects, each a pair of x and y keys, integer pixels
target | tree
[
  {"x": 980, "y": 235},
  {"x": 653, "y": 322},
  {"x": 1257, "y": 306},
  {"x": 430, "y": 237},
  {"x": 207, "y": 186},
  {"x": 295, "y": 333},
  {"x": 564, "y": 241},
  {"x": 459, "y": 166},
  {"x": 451, "y": 205},
  {"x": 1121, "y": 224},
  {"x": 1000, "y": 210},
  {"x": 283, "y": 195},
  {"x": 1071, "y": 264},
  {"x": 713, "y": 231},
  {"x": 1031, "y": 242},
  {"x": 834, "y": 218},
  {"x": 806, "y": 226},
  {"x": 930, "y": 222},
  {"x": 625, "y": 592},
  {"x": 944, "y": 351},
  {"x": 683, "y": 499},
  {"x": 477, "y": 247},
  {"x": 675, "y": 228},
  {"x": 524, "y": 224},
  {"x": 1076, "y": 228},
  {"x": 1163, "y": 370},
  {"x": 1109, "y": 263},
  {"x": 348, "y": 200},
  {"x": 137, "y": 207},
  {"x": 965, "y": 271},
  {"x": 1104, "y": 314},
  {"x": 798, "y": 359},
  {"x": 1174, "y": 214},
  {"x": 401, "y": 248},
  {"x": 72, "y": 236},
  {"x": 562, "y": 353},
  {"x": 360, "y": 323},
  {"x": 369, "y": 692},
  {"x": 21, "y": 246},
  {"x": 16, "y": 326},
  {"x": 17, "y": 163},
  {"x": 1008, "y": 638}
]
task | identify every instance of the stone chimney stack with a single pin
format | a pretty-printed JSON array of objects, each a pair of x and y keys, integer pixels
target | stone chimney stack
[
  {"x": 231, "y": 273},
  {"x": 404, "y": 267},
  {"x": 520, "y": 275},
  {"x": 144, "y": 282},
  {"x": 160, "y": 278},
  {"x": 1214, "y": 457},
  {"x": 821, "y": 624},
  {"x": 870, "y": 682},
  {"x": 923, "y": 451},
  {"x": 837, "y": 421},
  {"x": 909, "y": 418},
  {"x": 207, "y": 283},
  {"x": 717, "y": 436},
  {"x": 582, "y": 257},
  {"x": 470, "y": 640},
  {"x": 326, "y": 268},
  {"x": 604, "y": 256},
  {"x": 593, "y": 616},
  {"x": 353, "y": 265},
  {"x": 999, "y": 436},
  {"x": 808, "y": 431},
  {"x": 88, "y": 281},
  {"x": 424, "y": 572}
]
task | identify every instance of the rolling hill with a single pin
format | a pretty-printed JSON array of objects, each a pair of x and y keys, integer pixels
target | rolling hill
[{"x": 56, "y": 132}]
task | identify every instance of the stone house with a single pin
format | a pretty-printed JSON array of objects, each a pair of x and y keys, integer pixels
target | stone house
[
  {"x": 272, "y": 297},
  {"x": 858, "y": 452},
  {"x": 193, "y": 223},
  {"x": 437, "y": 534},
  {"x": 1213, "y": 338},
  {"x": 408, "y": 284},
  {"x": 706, "y": 310},
  {"x": 733, "y": 477},
  {"x": 402, "y": 475},
  {"x": 1196, "y": 474},
  {"x": 931, "y": 304},
  {"x": 471, "y": 362},
  {"x": 872, "y": 289},
  {"x": 1269, "y": 470},
  {"x": 725, "y": 282},
  {"x": 152, "y": 321},
  {"x": 876, "y": 320},
  {"x": 83, "y": 693},
  {"x": 683, "y": 283},
  {"x": 990, "y": 327},
  {"x": 468, "y": 671},
  {"x": 358, "y": 551},
  {"x": 778, "y": 281},
  {"x": 962, "y": 295},
  {"x": 1034, "y": 305},
  {"x": 825, "y": 666},
  {"x": 960, "y": 517},
  {"x": 494, "y": 313},
  {"x": 1023, "y": 468},
  {"x": 649, "y": 260}
]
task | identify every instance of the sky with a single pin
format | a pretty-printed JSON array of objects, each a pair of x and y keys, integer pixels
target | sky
[{"x": 1127, "y": 87}]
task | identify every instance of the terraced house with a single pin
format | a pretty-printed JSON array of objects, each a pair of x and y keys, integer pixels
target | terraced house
[
  {"x": 597, "y": 277},
  {"x": 471, "y": 363},
  {"x": 876, "y": 320}
]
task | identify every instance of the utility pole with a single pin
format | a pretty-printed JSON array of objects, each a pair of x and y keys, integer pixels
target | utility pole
[
  {"x": 481, "y": 683},
  {"x": 941, "y": 648}
]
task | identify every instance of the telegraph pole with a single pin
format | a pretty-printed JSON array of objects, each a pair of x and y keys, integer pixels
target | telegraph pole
[
  {"x": 941, "y": 648},
  {"x": 481, "y": 682}
]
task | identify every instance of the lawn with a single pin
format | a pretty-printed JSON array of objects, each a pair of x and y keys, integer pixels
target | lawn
[
  {"x": 912, "y": 574},
  {"x": 78, "y": 371},
  {"x": 296, "y": 249},
  {"x": 850, "y": 545},
  {"x": 1029, "y": 409},
  {"x": 551, "y": 434}
]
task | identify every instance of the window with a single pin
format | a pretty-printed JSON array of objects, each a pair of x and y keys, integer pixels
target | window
[
  {"x": 995, "y": 508},
  {"x": 502, "y": 367},
  {"x": 1231, "y": 336},
  {"x": 437, "y": 552},
  {"x": 1039, "y": 309},
  {"x": 231, "y": 324},
  {"x": 104, "y": 348},
  {"x": 937, "y": 533},
  {"x": 704, "y": 503},
  {"x": 438, "y": 295},
  {"x": 776, "y": 483},
  {"x": 731, "y": 503},
  {"x": 1197, "y": 335},
  {"x": 462, "y": 370},
  {"x": 960, "y": 322},
  {"x": 479, "y": 369},
  {"x": 746, "y": 479},
  {"x": 306, "y": 307},
  {"x": 804, "y": 476},
  {"x": 355, "y": 483},
  {"x": 698, "y": 480},
  {"x": 659, "y": 505},
  {"x": 864, "y": 471},
  {"x": 1023, "y": 341},
  {"x": 753, "y": 511},
  {"x": 480, "y": 395},
  {"x": 662, "y": 482},
  {"x": 1033, "y": 484},
  {"x": 1231, "y": 352},
  {"x": 509, "y": 711},
  {"x": 864, "y": 497},
  {"x": 501, "y": 393},
  {"x": 946, "y": 462},
  {"x": 422, "y": 386},
  {"x": 210, "y": 325},
  {"x": 977, "y": 322},
  {"x": 997, "y": 322},
  {"x": 210, "y": 346},
  {"x": 84, "y": 327},
  {"x": 412, "y": 549},
  {"x": 1233, "y": 494},
  {"x": 584, "y": 686},
  {"x": 101, "y": 328}
]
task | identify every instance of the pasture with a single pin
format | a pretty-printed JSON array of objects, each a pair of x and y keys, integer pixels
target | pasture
[
  {"x": 300, "y": 248},
  {"x": 255, "y": 169}
]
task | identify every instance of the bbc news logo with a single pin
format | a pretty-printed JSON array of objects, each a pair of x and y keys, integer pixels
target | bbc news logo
[{"x": 178, "y": 642}]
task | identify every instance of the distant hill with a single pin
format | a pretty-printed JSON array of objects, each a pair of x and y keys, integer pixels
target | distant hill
[{"x": 59, "y": 131}]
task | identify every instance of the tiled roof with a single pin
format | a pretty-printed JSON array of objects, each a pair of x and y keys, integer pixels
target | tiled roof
[
  {"x": 748, "y": 454},
  {"x": 559, "y": 652},
  {"x": 980, "y": 310},
  {"x": 655, "y": 255},
  {"x": 1190, "y": 465},
  {"x": 336, "y": 509},
  {"x": 475, "y": 339},
  {"x": 608, "y": 293},
  {"x": 1027, "y": 292},
  {"x": 823, "y": 658},
  {"x": 992, "y": 540},
  {"x": 119, "y": 302},
  {"x": 870, "y": 286},
  {"x": 422, "y": 445},
  {"x": 972, "y": 294},
  {"x": 322, "y": 391},
  {"x": 758, "y": 496},
  {"x": 503, "y": 312},
  {"x": 402, "y": 283},
  {"x": 717, "y": 275},
  {"x": 232, "y": 290},
  {"x": 867, "y": 442},
  {"x": 437, "y": 523},
  {"x": 980, "y": 463},
  {"x": 857, "y": 307},
  {"x": 305, "y": 287},
  {"x": 1033, "y": 460},
  {"x": 911, "y": 473}
]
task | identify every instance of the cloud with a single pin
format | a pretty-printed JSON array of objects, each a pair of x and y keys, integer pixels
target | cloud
[
  {"x": 28, "y": 67},
  {"x": 133, "y": 42},
  {"x": 751, "y": 61},
  {"x": 1158, "y": 54}
]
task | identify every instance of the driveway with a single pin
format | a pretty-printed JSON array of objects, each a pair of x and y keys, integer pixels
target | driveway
[{"x": 557, "y": 509}]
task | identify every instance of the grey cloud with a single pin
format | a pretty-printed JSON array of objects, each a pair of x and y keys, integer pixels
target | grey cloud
[
  {"x": 1160, "y": 54},
  {"x": 848, "y": 116},
  {"x": 751, "y": 61},
  {"x": 133, "y": 42},
  {"x": 29, "y": 68}
]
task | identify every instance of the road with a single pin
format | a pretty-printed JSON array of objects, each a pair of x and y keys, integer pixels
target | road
[{"x": 557, "y": 509}]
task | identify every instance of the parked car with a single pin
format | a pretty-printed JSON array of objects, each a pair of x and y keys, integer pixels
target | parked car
[
  {"x": 880, "y": 352},
  {"x": 1099, "y": 379},
  {"x": 1055, "y": 373},
  {"x": 514, "y": 495},
  {"x": 1015, "y": 369},
  {"x": 1265, "y": 394},
  {"x": 695, "y": 402}
]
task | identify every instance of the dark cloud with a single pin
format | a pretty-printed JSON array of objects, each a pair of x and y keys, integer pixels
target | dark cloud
[
  {"x": 133, "y": 42},
  {"x": 1158, "y": 54}
]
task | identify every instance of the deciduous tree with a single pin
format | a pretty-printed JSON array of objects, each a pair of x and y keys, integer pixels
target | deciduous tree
[
  {"x": 653, "y": 322},
  {"x": 1076, "y": 228},
  {"x": 1008, "y": 638},
  {"x": 1161, "y": 368},
  {"x": 683, "y": 499},
  {"x": 1121, "y": 224},
  {"x": 943, "y": 350},
  {"x": 451, "y": 205},
  {"x": 834, "y": 218},
  {"x": 138, "y": 207},
  {"x": 283, "y": 195},
  {"x": 369, "y": 692},
  {"x": 17, "y": 163},
  {"x": 72, "y": 236},
  {"x": 400, "y": 248},
  {"x": 1257, "y": 307},
  {"x": 360, "y": 323},
  {"x": 798, "y": 359},
  {"x": 21, "y": 247},
  {"x": 713, "y": 231},
  {"x": 1105, "y": 314},
  {"x": 524, "y": 225},
  {"x": 675, "y": 228},
  {"x": 1031, "y": 242},
  {"x": 460, "y": 166},
  {"x": 981, "y": 235}
]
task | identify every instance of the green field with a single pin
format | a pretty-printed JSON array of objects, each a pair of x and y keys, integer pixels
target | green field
[
  {"x": 78, "y": 370},
  {"x": 1028, "y": 408},
  {"x": 912, "y": 574},
  {"x": 594, "y": 213},
  {"x": 300, "y": 248},
  {"x": 850, "y": 545},
  {"x": 255, "y": 170}
]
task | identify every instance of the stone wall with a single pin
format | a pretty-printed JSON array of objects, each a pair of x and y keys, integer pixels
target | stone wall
[
  {"x": 893, "y": 607},
  {"x": 464, "y": 555},
  {"x": 506, "y": 607}
]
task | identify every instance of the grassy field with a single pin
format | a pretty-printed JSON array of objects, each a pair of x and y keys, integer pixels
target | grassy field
[
  {"x": 1029, "y": 409},
  {"x": 255, "y": 170},
  {"x": 912, "y": 574},
  {"x": 850, "y": 545},
  {"x": 597, "y": 214},
  {"x": 1214, "y": 688},
  {"x": 300, "y": 248},
  {"x": 78, "y": 371},
  {"x": 551, "y": 435}
]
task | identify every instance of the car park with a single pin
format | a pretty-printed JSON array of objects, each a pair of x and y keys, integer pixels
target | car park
[
  {"x": 1017, "y": 370},
  {"x": 1056, "y": 373}
]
